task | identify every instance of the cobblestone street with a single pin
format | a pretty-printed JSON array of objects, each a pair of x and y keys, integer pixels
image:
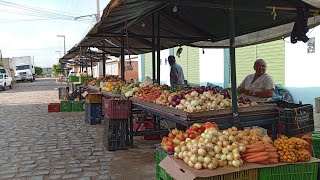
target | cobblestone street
[{"x": 35, "y": 144}]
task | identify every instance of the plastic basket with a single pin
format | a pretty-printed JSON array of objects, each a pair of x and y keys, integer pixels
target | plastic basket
[
  {"x": 146, "y": 125},
  {"x": 116, "y": 135},
  {"x": 65, "y": 106},
  {"x": 93, "y": 113},
  {"x": 316, "y": 143},
  {"x": 77, "y": 105},
  {"x": 54, "y": 107},
  {"x": 251, "y": 174},
  {"x": 290, "y": 172},
  {"x": 73, "y": 79},
  {"x": 116, "y": 109},
  {"x": 295, "y": 119}
]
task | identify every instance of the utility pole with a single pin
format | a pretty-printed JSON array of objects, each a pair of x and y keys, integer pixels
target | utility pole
[{"x": 98, "y": 11}]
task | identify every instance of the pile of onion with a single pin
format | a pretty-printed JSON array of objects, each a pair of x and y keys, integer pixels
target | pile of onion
[{"x": 213, "y": 149}]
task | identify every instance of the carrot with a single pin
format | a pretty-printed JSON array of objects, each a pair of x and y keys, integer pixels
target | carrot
[
  {"x": 263, "y": 162},
  {"x": 255, "y": 155},
  {"x": 271, "y": 150},
  {"x": 273, "y": 161},
  {"x": 256, "y": 144},
  {"x": 256, "y": 149},
  {"x": 274, "y": 155},
  {"x": 258, "y": 159}
]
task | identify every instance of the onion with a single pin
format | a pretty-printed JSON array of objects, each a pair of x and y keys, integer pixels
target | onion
[
  {"x": 221, "y": 163},
  {"x": 230, "y": 163},
  {"x": 223, "y": 157},
  {"x": 177, "y": 149},
  {"x": 189, "y": 99},
  {"x": 235, "y": 144},
  {"x": 229, "y": 147},
  {"x": 225, "y": 143},
  {"x": 232, "y": 138},
  {"x": 218, "y": 156},
  {"x": 225, "y": 151},
  {"x": 211, "y": 153},
  {"x": 200, "y": 159},
  {"x": 235, "y": 151},
  {"x": 194, "y": 149},
  {"x": 186, "y": 159},
  {"x": 201, "y": 151},
  {"x": 176, "y": 155},
  {"x": 230, "y": 157},
  {"x": 194, "y": 141},
  {"x": 209, "y": 146},
  {"x": 207, "y": 160},
  {"x": 201, "y": 145},
  {"x": 236, "y": 163},
  {"x": 198, "y": 165},
  {"x": 188, "y": 140},
  {"x": 180, "y": 155},
  {"x": 198, "y": 108},
  {"x": 189, "y": 154},
  {"x": 185, "y": 154},
  {"x": 214, "y": 139},
  {"x": 215, "y": 162},
  {"x": 195, "y": 102},
  {"x": 183, "y": 148},
  {"x": 236, "y": 156},
  {"x": 194, "y": 93},
  {"x": 221, "y": 138},
  {"x": 204, "y": 165},
  {"x": 190, "y": 164},
  {"x": 219, "y": 143},
  {"x": 204, "y": 135},
  {"x": 217, "y": 149},
  {"x": 183, "y": 101},
  {"x": 242, "y": 148},
  {"x": 194, "y": 158}
]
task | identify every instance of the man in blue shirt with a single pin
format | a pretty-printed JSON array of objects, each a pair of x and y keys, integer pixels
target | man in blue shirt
[{"x": 176, "y": 73}]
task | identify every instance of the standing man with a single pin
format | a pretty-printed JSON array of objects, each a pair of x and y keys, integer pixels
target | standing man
[
  {"x": 176, "y": 73},
  {"x": 259, "y": 86}
]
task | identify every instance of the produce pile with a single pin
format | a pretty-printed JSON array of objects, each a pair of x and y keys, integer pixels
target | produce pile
[
  {"x": 292, "y": 149},
  {"x": 113, "y": 86},
  {"x": 203, "y": 146},
  {"x": 96, "y": 81}
]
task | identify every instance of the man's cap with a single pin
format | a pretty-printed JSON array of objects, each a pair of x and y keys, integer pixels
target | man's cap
[{"x": 171, "y": 58}]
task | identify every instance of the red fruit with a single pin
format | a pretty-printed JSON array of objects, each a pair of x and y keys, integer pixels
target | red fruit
[
  {"x": 193, "y": 128},
  {"x": 180, "y": 137},
  {"x": 192, "y": 136},
  {"x": 171, "y": 136},
  {"x": 170, "y": 143},
  {"x": 170, "y": 148},
  {"x": 202, "y": 129},
  {"x": 189, "y": 131},
  {"x": 199, "y": 131}
]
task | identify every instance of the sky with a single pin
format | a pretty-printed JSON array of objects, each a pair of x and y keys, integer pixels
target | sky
[{"x": 30, "y": 27}]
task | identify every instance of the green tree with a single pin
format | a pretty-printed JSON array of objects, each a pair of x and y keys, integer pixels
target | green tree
[
  {"x": 56, "y": 69},
  {"x": 38, "y": 70}
]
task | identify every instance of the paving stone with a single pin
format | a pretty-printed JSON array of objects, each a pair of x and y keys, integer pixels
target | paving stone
[
  {"x": 59, "y": 171},
  {"x": 56, "y": 176},
  {"x": 84, "y": 178},
  {"x": 36, "y": 178},
  {"x": 84, "y": 165},
  {"x": 90, "y": 174},
  {"x": 24, "y": 174},
  {"x": 27, "y": 162},
  {"x": 75, "y": 170},
  {"x": 8, "y": 176},
  {"x": 68, "y": 176},
  {"x": 42, "y": 172}
]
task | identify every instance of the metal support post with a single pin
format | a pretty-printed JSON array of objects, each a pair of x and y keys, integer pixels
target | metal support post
[
  {"x": 122, "y": 61},
  {"x": 104, "y": 64},
  {"x": 233, "y": 63},
  {"x": 153, "y": 50},
  {"x": 158, "y": 50}
]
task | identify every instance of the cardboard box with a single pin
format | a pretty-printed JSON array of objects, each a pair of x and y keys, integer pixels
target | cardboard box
[
  {"x": 95, "y": 97},
  {"x": 177, "y": 169}
]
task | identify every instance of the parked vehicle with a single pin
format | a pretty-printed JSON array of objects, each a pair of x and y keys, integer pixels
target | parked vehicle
[
  {"x": 23, "y": 68},
  {"x": 5, "y": 79}
]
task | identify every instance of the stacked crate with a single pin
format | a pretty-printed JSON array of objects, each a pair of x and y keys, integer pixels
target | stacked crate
[
  {"x": 117, "y": 113},
  {"x": 93, "y": 108}
]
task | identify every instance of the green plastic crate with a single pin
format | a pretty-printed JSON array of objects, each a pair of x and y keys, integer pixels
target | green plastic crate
[
  {"x": 73, "y": 79},
  {"x": 161, "y": 174},
  {"x": 77, "y": 105},
  {"x": 65, "y": 106},
  {"x": 316, "y": 143},
  {"x": 290, "y": 172}
]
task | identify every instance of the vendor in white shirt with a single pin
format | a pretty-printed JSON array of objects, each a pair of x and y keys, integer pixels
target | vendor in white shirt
[{"x": 259, "y": 86}]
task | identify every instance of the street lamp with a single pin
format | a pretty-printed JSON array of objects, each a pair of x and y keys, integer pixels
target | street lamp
[
  {"x": 59, "y": 53},
  {"x": 64, "y": 42}
]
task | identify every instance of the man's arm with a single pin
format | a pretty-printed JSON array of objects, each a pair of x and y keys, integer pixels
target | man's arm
[
  {"x": 263, "y": 94},
  {"x": 241, "y": 89},
  {"x": 175, "y": 78}
]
